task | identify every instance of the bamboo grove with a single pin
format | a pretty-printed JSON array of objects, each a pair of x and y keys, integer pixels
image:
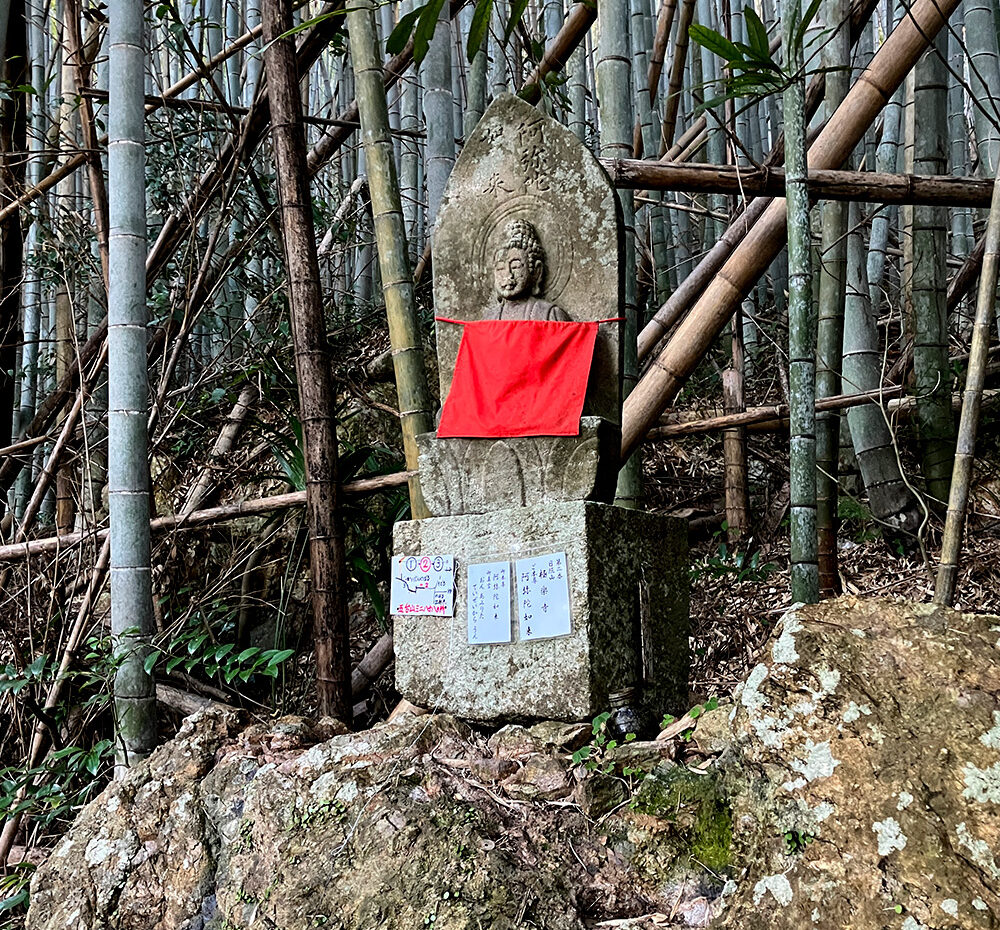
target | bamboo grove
[{"x": 216, "y": 320}]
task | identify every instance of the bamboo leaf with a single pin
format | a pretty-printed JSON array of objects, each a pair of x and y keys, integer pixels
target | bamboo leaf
[
  {"x": 807, "y": 18},
  {"x": 517, "y": 9},
  {"x": 756, "y": 33},
  {"x": 424, "y": 31},
  {"x": 477, "y": 31},
  {"x": 714, "y": 42},
  {"x": 401, "y": 34}
]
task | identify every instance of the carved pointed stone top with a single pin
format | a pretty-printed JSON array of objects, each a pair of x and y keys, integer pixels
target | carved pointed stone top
[{"x": 529, "y": 228}]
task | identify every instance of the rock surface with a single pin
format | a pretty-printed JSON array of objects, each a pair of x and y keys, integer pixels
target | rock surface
[
  {"x": 868, "y": 740},
  {"x": 858, "y": 787},
  {"x": 416, "y": 823}
]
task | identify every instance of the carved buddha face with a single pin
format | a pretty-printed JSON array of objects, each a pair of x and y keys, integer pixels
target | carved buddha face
[
  {"x": 519, "y": 266},
  {"x": 512, "y": 273}
]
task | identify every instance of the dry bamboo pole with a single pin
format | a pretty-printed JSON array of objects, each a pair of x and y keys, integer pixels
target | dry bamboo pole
[
  {"x": 557, "y": 53},
  {"x": 98, "y": 192},
  {"x": 846, "y": 127},
  {"x": 415, "y": 404},
  {"x": 673, "y": 98},
  {"x": 734, "y": 454},
  {"x": 965, "y": 449},
  {"x": 363, "y": 487},
  {"x": 862, "y": 186},
  {"x": 202, "y": 485},
  {"x": 331, "y": 632},
  {"x": 664, "y": 22}
]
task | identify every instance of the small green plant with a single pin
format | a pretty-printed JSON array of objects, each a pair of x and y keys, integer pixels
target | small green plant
[
  {"x": 694, "y": 713},
  {"x": 740, "y": 566},
  {"x": 796, "y": 842},
  {"x": 593, "y": 756},
  {"x": 195, "y": 648}
]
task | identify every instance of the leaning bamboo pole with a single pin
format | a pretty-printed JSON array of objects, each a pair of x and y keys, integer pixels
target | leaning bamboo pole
[
  {"x": 961, "y": 476},
  {"x": 694, "y": 336},
  {"x": 415, "y": 404}
]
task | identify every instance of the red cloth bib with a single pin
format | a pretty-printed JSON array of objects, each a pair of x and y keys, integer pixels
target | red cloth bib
[{"x": 519, "y": 378}]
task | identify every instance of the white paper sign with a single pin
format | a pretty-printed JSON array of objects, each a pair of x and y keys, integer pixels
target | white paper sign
[
  {"x": 543, "y": 596},
  {"x": 423, "y": 584},
  {"x": 489, "y": 602}
]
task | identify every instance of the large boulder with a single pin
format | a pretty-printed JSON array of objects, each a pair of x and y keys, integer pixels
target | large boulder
[
  {"x": 853, "y": 783},
  {"x": 867, "y": 771},
  {"x": 417, "y": 823}
]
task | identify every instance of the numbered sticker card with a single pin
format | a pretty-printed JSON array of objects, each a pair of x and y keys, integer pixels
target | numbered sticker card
[
  {"x": 543, "y": 596},
  {"x": 423, "y": 584},
  {"x": 489, "y": 603}
]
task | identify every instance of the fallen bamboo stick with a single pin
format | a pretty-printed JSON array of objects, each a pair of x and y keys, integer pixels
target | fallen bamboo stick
[
  {"x": 776, "y": 417},
  {"x": 372, "y": 665},
  {"x": 360, "y": 488},
  {"x": 864, "y": 186},
  {"x": 766, "y": 414}
]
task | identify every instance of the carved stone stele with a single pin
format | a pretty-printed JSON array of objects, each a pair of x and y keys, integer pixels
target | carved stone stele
[
  {"x": 528, "y": 229},
  {"x": 520, "y": 165}
]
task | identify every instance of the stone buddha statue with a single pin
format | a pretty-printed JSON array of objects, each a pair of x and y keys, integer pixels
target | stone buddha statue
[{"x": 519, "y": 277}]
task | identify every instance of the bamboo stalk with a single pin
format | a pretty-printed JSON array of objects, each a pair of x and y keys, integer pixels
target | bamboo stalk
[
  {"x": 132, "y": 623},
  {"x": 965, "y": 450},
  {"x": 664, "y": 379},
  {"x": 331, "y": 634},
  {"x": 830, "y": 324},
  {"x": 415, "y": 404},
  {"x": 673, "y": 99}
]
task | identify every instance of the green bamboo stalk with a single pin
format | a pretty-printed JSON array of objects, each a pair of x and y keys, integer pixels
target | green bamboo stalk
[
  {"x": 476, "y": 102},
  {"x": 929, "y": 278},
  {"x": 132, "y": 623},
  {"x": 830, "y": 326},
  {"x": 801, "y": 323},
  {"x": 415, "y": 403},
  {"x": 439, "y": 113},
  {"x": 961, "y": 479},
  {"x": 614, "y": 91},
  {"x": 984, "y": 74}
]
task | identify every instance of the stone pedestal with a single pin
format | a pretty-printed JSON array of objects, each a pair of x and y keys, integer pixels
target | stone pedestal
[{"x": 628, "y": 587}]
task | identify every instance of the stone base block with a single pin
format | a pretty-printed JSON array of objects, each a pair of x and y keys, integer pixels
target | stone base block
[
  {"x": 628, "y": 589},
  {"x": 481, "y": 475}
]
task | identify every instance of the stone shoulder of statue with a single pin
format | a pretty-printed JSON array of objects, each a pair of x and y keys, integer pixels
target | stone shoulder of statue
[{"x": 519, "y": 278}]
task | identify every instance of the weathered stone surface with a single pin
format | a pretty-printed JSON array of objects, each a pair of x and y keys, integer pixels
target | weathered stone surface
[
  {"x": 868, "y": 742},
  {"x": 519, "y": 164},
  {"x": 860, "y": 792},
  {"x": 621, "y": 563},
  {"x": 390, "y": 829},
  {"x": 479, "y": 475}
]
